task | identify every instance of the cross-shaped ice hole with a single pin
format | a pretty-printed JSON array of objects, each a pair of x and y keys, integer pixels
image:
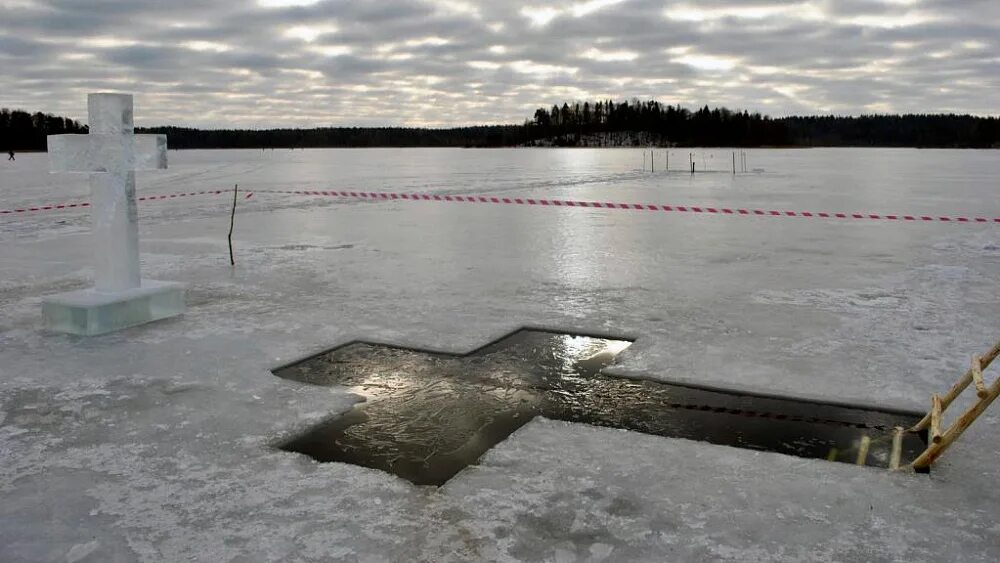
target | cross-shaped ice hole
[{"x": 428, "y": 415}]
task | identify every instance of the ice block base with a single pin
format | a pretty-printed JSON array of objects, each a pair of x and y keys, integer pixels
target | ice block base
[{"x": 89, "y": 312}]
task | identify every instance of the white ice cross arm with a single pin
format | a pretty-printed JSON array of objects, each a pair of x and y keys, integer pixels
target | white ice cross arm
[{"x": 109, "y": 153}]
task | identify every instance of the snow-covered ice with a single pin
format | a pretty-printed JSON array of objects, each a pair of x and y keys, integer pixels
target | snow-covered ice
[{"x": 157, "y": 443}]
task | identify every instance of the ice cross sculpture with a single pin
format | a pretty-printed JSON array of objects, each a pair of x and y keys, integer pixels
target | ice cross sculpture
[{"x": 111, "y": 154}]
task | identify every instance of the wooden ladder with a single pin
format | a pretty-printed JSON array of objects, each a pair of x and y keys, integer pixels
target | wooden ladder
[{"x": 937, "y": 441}]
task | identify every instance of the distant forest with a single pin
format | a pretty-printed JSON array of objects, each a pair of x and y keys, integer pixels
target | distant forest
[
  {"x": 481, "y": 136},
  {"x": 20, "y": 130},
  {"x": 602, "y": 123},
  {"x": 617, "y": 124}
]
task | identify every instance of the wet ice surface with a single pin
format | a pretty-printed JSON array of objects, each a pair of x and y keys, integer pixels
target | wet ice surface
[
  {"x": 158, "y": 443},
  {"x": 426, "y": 416}
]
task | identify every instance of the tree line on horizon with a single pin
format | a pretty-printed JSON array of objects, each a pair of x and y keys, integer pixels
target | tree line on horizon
[
  {"x": 20, "y": 130},
  {"x": 340, "y": 137},
  {"x": 601, "y": 123},
  {"x": 604, "y": 123}
]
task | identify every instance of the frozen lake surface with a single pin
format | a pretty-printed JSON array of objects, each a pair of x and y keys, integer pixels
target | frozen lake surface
[{"x": 159, "y": 443}]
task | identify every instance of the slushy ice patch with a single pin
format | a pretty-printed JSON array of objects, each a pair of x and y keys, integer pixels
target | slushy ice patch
[{"x": 428, "y": 415}]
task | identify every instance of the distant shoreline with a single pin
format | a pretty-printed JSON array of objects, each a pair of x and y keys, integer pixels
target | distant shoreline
[
  {"x": 602, "y": 124},
  {"x": 723, "y": 148}
]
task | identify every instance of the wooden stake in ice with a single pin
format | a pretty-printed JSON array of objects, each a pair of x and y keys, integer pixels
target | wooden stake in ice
[
  {"x": 232, "y": 223},
  {"x": 111, "y": 154}
]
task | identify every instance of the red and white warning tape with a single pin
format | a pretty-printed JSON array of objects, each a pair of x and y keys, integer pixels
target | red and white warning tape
[
  {"x": 385, "y": 196},
  {"x": 388, "y": 196},
  {"x": 55, "y": 207},
  {"x": 44, "y": 208}
]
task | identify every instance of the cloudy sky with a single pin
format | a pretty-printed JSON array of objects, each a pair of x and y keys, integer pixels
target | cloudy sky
[{"x": 262, "y": 63}]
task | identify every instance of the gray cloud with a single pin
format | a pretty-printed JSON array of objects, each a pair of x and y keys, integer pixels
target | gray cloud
[{"x": 263, "y": 63}]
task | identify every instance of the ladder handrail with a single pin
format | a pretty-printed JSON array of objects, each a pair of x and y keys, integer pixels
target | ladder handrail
[
  {"x": 938, "y": 442},
  {"x": 957, "y": 389}
]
